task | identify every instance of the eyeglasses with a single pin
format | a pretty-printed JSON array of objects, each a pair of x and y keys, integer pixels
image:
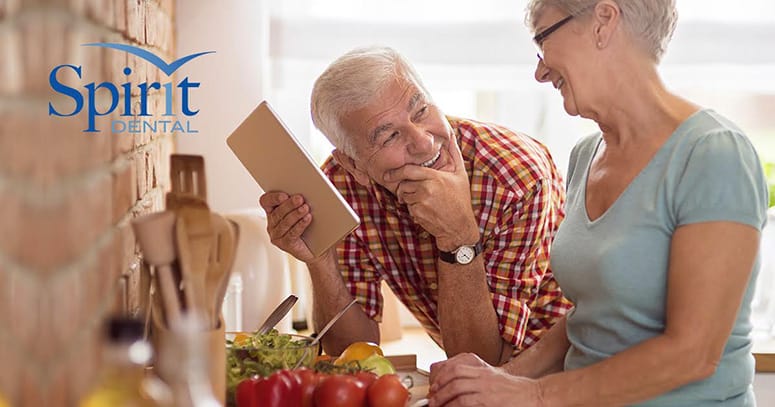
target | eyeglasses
[{"x": 541, "y": 37}]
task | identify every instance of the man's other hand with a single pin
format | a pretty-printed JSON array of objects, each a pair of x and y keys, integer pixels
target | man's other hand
[{"x": 287, "y": 218}]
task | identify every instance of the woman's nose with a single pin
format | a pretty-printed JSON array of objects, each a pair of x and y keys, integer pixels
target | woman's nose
[{"x": 542, "y": 72}]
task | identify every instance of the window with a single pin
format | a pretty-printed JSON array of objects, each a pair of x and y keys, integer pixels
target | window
[{"x": 477, "y": 60}]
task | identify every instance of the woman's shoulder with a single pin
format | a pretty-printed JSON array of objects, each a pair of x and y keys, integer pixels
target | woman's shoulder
[
  {"x": 711, "y": 139},
  {"x": 707, "y": 126},
  {"x": 711, "y": 165}
]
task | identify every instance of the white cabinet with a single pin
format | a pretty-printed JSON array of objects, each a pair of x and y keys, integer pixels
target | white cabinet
[{"x": 764, "y": 387}]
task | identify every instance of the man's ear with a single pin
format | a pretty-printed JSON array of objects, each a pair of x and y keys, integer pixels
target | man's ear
[
  {"x": 348, "y": 163},
  {"x": 606, "y": 15}
]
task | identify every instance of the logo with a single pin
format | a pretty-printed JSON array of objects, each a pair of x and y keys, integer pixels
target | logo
[{"x": 86, "y": 98}]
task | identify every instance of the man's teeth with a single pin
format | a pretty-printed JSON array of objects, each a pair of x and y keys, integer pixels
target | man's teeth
[{"x": 432, "y": 161}]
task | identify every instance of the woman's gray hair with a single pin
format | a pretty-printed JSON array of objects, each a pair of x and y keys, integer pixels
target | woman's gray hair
[
  {"x": 351, "y": 83},
  {"x": 650, "y": 22}
]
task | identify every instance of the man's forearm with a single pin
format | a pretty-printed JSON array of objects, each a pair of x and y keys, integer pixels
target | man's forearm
[
  {"x": 330, "y": 295},
  {"x": 466, "y": 314}
]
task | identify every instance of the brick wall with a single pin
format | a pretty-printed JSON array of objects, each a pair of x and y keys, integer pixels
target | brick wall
[{"x": 67, "y": 253}]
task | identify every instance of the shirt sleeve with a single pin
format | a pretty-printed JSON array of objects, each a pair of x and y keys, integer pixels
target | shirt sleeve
[
  {"x": 355, "y": 260},
  {"x": 360, "y": 276},
  {"x": 524, "y": 293},
  {"x": 723, "y": 180}
]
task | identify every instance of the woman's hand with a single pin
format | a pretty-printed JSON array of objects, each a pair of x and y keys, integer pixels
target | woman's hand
[{"x": 466, "y": 380}]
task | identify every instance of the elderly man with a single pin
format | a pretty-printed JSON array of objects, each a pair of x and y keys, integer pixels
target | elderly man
[{"x": 457, "y": 215}]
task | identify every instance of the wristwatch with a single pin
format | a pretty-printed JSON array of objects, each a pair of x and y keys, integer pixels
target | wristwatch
[{"x": 462, "y": 255}]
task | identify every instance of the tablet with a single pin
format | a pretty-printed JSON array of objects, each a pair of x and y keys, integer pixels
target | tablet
[{"x": 278, "y": 162}]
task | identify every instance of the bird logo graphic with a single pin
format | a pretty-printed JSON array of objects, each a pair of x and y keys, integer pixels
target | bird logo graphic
[{"x": 168, "y": 69}]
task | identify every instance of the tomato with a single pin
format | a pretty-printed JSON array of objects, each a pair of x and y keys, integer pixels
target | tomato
[
  {"x": 387, "y": 391},
  {"x": 309, "y": 379},
  {"x": 340, "y": 391},
  {"x": 358, "y": 351},
  {"x": 367, "y": 378},
  {"x": 245, "y": 394}
]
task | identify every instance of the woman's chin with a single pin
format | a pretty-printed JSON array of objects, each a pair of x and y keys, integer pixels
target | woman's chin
[
  {"x": 571, "y": 109},
  {"x": 570, "y": 106}
]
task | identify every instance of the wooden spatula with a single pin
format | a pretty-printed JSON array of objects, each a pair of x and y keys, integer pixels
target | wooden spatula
[
  {"x": 188, "y": 199},
  {"x": 219, "y": 267},
  {"x": 187, "y": 173}
]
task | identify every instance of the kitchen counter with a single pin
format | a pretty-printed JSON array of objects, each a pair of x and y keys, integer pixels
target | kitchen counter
[{"x": 764, "y": 352}]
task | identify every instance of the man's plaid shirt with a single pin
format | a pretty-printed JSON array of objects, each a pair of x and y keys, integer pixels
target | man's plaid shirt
[{"x": 517, "y": 196}]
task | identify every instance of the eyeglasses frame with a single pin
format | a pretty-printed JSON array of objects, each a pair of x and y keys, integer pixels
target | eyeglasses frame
[{"x": 541, "y": 37}]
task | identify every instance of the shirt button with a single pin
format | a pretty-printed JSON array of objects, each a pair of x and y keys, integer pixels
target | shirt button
[
  {"x": 424, "y": 235},
  {"x": 433, "y": 286}
]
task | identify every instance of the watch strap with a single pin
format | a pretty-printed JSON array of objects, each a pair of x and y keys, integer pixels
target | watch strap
[{"x": 449, "y": 257}]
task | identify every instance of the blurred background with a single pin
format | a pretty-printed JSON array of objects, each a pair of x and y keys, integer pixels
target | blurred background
[
  {"x": 68, "y": 256},
  {"x": 475, "y": 57}
]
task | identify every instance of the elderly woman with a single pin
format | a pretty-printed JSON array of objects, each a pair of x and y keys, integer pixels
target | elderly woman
[{"x": 658, "y": 251}]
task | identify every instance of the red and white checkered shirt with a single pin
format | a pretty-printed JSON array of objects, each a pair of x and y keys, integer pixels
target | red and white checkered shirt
[{"x": 517, "y": 196}]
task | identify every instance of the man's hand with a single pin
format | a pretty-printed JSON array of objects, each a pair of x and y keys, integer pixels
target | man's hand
[
  {"x": 287, "y": 218},
  {"x": 440, "y": 200}
]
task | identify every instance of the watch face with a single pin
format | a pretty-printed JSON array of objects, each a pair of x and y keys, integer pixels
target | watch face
[{"x": 465, "y": 254}]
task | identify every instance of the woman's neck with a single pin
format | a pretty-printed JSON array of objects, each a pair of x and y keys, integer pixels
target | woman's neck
[{"x": 639, "y": 109}]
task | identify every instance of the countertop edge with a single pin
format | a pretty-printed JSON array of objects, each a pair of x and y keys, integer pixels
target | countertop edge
[{"x": 765, "y": 362}]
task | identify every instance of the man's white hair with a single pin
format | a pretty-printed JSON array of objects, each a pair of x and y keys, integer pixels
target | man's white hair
[{"x": 350, "y": 83}]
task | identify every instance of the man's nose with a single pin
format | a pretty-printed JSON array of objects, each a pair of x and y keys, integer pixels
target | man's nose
[
  {"x": 420, "y": 140},
  {"x": 542, "y": 72}
]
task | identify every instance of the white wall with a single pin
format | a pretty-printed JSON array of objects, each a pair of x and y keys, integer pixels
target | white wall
[{"x": 233, "y": 81}]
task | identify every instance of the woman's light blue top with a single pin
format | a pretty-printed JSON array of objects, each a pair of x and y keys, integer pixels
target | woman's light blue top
[{"x": 615, "y": 268}]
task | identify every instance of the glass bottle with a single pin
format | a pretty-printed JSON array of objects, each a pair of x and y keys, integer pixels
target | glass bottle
[{"x": 123, "y": 381}]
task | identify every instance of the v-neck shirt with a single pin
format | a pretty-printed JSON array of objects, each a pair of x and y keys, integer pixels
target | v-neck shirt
[{"x": 615, "y": 268}]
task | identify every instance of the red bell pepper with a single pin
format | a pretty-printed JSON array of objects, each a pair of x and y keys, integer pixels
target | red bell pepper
[
  {"x": 281, "y": 389},
  {"x": 245, "y": 394},
  {"x": 309, "y": 381},
  {"x": 292, "y": 394}
]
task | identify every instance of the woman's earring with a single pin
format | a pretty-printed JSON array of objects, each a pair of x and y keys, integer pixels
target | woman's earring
[{"x": 600, "y": 44}]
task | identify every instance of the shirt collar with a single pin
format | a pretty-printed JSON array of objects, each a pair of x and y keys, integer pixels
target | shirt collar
[{"x": 388, "y": 200}]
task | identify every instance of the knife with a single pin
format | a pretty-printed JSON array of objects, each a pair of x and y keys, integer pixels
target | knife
[
  {"x": 331, "y": 323},
  {"x": 277, "y": 314}
]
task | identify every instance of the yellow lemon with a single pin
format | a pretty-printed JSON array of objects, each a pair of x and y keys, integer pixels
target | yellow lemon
[
  {"x": 378, "y": 365},
  {"x": 358, "y": 351}
]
